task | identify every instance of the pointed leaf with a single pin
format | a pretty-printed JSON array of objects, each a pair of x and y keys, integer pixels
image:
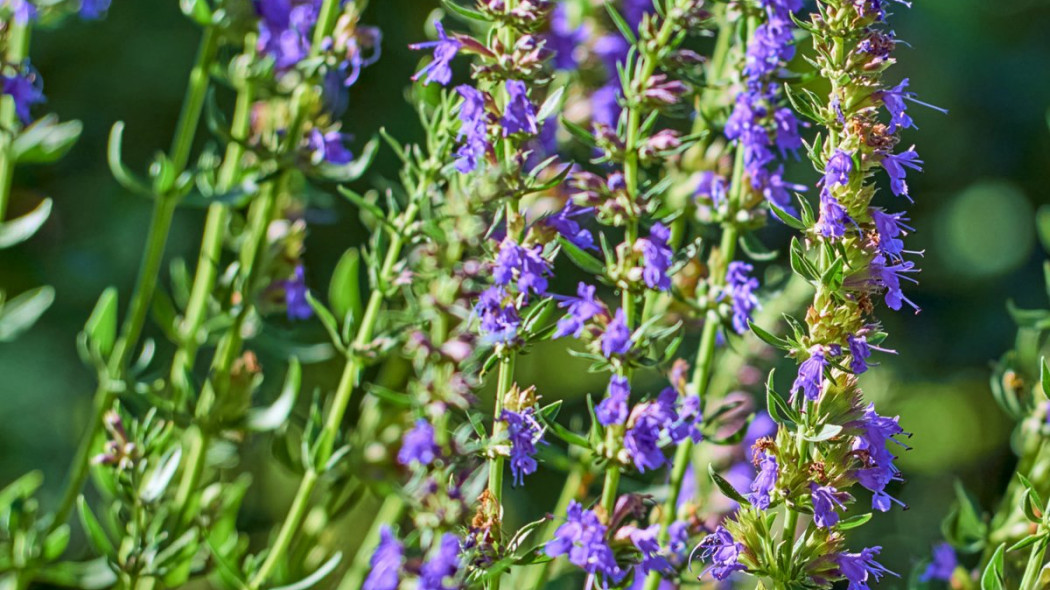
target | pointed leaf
[
  {"x": 19, "y": 313},
  {"x": 101, "y": 326},
  {"x": 22, "y": 228},
  {"x": 727, "y": 488},
  {"x": 276, "y": 414},
  {"x": 344, "y": 292}
]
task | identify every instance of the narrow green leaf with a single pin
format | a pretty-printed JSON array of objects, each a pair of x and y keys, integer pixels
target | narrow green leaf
[
  {"x": 120, "y": 172},
  {"x": 276, "y": 414},
  {"x": 620, "y": 23},
  {"x": 101, "y": 326},
  {"x": 344, "y": 292},
  {"x": 46, "y": 140},
  {"x": 828, "y": 431},
  {"x": 727, "y": 488},
  {"x": 95, "y": 533},
  {"x": 160, "y": 478},
  {"x": 992, "y": 578},
  {"x": 467, "y": 13},
  {"x": 551, "y": 105},
  {"x": 22, "y": 228},
  {"x": 19, "y": 313},
  {"x": 318, "y": 575},
  {"x": 853, "y": 521},
  {"x": 769, "y": 338},
  {"x": 582, "y": 258},
  {"x": 755, "y": 249}
]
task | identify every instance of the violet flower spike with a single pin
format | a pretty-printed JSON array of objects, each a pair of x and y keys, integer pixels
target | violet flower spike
[{"x": 445, "y": 49}]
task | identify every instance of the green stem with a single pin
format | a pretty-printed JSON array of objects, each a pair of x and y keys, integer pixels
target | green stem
[
  {"x": 390, "y": 511},
  {"x": 160, "y": 225},
  {"x": 17, "y": 50},
  {"x": 569, "y": 491},
  {"x": 1035, "y": 564},
  {"x": 296, "y": 514}
]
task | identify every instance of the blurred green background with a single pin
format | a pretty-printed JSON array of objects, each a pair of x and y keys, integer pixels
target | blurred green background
[{"x": 987, "y": 170}]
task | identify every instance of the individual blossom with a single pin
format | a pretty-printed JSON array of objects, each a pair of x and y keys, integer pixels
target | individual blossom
[
  {"x": 581, "y": 309},
  {"x": 645, "y": 541},
  {"x": 25, "y": 90},
  {"x": 687, "y": 420},
  {"x": 582, "y": 538},
  {"x": 520, "y": 114},
  {"x": 894, "y": 99},
  {"x": 613, "y": 409},
  {"x": 895, "y": 165},
  {"x": 740, "y": 290},
  {"x": 826, "y": 500},
  {"x": 656, "y": 257},
  {"x": 859, "y": 568},
  {"x": 943, "y": 564},
  {"x": 499, "y": 322},
  {"x": 329, "y": 147},
  {"x": 713, "y": 187},
  {"x": 296, "y": 304},
  {"x": 871, "y": 446},
  {"x": 564, "y": 221},
  {"x": 770, "y": 45},
  {"x": 775, "y": 189},
  {"x": 442, "y": 565},
  {"x": 859, "y": 351},
  {"x": 473, "y": 129},
  {"x": 93, "y": 9},
  {"x": 810, "y": 378},
  {"x": 524, "y": 432},
  {"x": 642, "y": 439},
  {"x": 724, "y": 553},
  {"x": 385, "y": 572},
  {"x": 284, "y": 30},
  {"x": 833, "y": 216},
  {"x": 617, "y": 336},
  {"x": 887, "y": 275},
  {"x": 764, "y": 482},
  {"x": 837, "y": 170},
  {"x": 445, "y": 49},
  {"x": 785, "y": 124},
  {"x": 418, "y": 446},
  {"x": 890, "y": 227},
  {"x": 524, "y": 264}
]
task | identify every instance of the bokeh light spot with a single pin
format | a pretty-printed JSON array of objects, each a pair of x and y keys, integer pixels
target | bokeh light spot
[{"x": 986, "y": 230}]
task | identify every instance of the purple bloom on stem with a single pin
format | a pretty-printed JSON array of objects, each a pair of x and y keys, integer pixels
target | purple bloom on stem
[
  {"x": 811, "y": 374},
  {"x": 857, "y": 568},
  {"x": 605, "y": 104},
  {"x": 775, "y": 189},
  {"x": 764, "y": 482},
  {"x": 418, "y": 446},
  {"x": 894, "y": 99},
  {"x": 445, "y": 49},
  {"x": 26, "y": 91},
  {"x": 441, "y": 566},
  {"x": 524, "y": 432},
  {"x": 943, "y": 564},
  {"x": 888, "y": 276},
  {"x": 786, "y": 125},
  {"x": 564, "y": 223},
  {"x": 740, "y": 289},
  {"x": 837, "y": 169},
  {"x": 712, "y": 186},
  {"x": 473, "y": 127},
  {"x": 499, "y": 323},
  {"x": 724, "y": 552},
  {"x": 761, "y": 427},
  {"x": 895, "y": 165},
  {"x": 581, "y": 308},
  {"x": 617, "y": 336},
  {"x": 328, "y": 147},
  {"x": 645, "y": 541},
  {"x": 770, "y": 45},
  {"x": 890, "y": 227},
  {"x": 525, "y": 263},
  {"x": 385, "y": 572},
  {"x": 642, "y": 441},
  {"x": 687, "y": 422},
  {"x": 833, "y": 216},
  {"x": 582, "y": 538},
  {"x": 296, "y": 304},
  {"x": 657, "y": 257},
  {"x": 826, "y": 500},
  {"x": 613, "y": 409},
  {"x": 520, "y": 115},
  {"x": 878, "y": 471},
  {"x": 859, "y": 351}
]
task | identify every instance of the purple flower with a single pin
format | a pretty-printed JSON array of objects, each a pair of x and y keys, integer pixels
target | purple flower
[
  {"x": 520, "y": 114},
  {"x": 833, "y": 216},
  {"x": 605, "y": 104},
  {"x": 888, "y": 276},
  {"x": 870, "y": 446},
  {"x": 859, "y": 351},
  {"x": 524, "y": 432},
  {"x": 894, "y": 164},
  {"x": 857, "y": 568},
  {"x": 418, "y": 446},
  {"x": 296, "y": 304},
  {"x": 761, "y": 427},
  {"x": 687, "y": 421},
  {"x": 385, "y": 572},
  {"x": 764, "y": 482},
  {"x": 613, "y": 409},
  {"x": 617, "y": 336},
  {"x": 445, "y": 49},
  {"x": 499, "y": 323},
  {"x": 894, "y": 99},
  {"x": 473, "y": 128},
  {"x": 787, "y": 135},
  {"x": 826, "y": 500},
  {"x": 582, "y": 538},
  {"x": 811, "y": 374},
  {"x": 328, "y": 147},
  {"x": 775, "y": 189},
  {"x": 642, "y": 439},
  {"x": 93, "y": 9},
  {"x": 943, "y": 564},
  {"x": 441, "y": 566},
  {"x": 564, "y": 223},
  {"x": 740, "y": 289},
  {"x": 890, "y": 227},
  {"x": 284, "y": 30},
  {"x": 581, "y": 308},
  {"x": 645, "y": 541},
  {"x": 712, "y": 186},
  {"x": 634, "y": 10},
  {"x": 563, "y": 39},
  {"x": 724, "y": 552},
  {"x": 25, "y": 90},
  {"x": 525, "y": 263},
  {"x": 837, "y": 169},
  {"x": 657, "y": 257},
  {"x": 770, "y": 45}
]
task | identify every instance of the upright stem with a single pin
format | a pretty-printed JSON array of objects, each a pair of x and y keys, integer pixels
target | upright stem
[
  {"x": 17, "y": 50},
  {"x": 160, "y": 225}
]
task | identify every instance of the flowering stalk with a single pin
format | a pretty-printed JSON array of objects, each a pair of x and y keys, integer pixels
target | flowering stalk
[
  {"x": 828, "y": 440},
  {"x": 16, "y": 51}
]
